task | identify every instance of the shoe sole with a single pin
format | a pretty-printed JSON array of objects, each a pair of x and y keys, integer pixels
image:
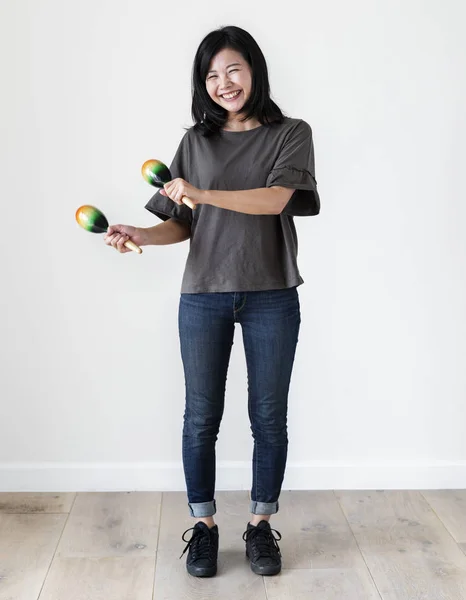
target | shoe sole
[
  {"x": 201, "y": 571},
  {"x": 267, "y": 570}
]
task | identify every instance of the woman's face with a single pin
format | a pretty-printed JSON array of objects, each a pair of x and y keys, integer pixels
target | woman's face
[{"x": 229, "y": 73}]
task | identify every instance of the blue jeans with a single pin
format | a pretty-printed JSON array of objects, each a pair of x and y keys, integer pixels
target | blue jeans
[{"x": 270, "y": 321}]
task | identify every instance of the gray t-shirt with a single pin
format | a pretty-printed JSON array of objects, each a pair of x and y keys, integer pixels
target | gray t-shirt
[{"x": 232, "y": 251}]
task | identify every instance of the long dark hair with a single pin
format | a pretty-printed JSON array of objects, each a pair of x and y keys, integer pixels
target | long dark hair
[{"x": 208, "y": 116}]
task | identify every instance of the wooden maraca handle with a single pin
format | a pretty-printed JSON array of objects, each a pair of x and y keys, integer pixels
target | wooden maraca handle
[
  {"x": 188, "y": 202},
  {"x": 132, "y": 246}
]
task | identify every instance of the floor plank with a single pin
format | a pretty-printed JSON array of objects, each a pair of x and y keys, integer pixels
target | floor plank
[
  {"x": 104, "y": 578},
  {"x": 27, "y": 546},
  {"x": 112, "y": 524},
  {"x": 322, "y": 584},
  {"x": 43, "y": 502},
  {"x": 408, "y": 551},
  {"x": 234, "y": 579},
  {"x": 315, "y": 532},
  {"x": 450, "y": 508}
]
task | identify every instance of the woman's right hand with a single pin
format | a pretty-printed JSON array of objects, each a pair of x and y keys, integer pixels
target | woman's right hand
[{"x": 117, "y": 235}]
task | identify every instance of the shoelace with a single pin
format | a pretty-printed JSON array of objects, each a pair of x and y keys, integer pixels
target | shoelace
[
  {"x": 199, "y": 544},
  {"x": 263, "y": 542}
]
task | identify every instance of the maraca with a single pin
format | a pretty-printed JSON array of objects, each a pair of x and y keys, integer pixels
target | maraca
[
  {"x": 157, "y": 174},
  {"x": 92, "y": 219}
]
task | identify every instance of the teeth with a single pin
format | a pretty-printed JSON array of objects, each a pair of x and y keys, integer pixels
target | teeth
[{"x": 229, "y": 96}]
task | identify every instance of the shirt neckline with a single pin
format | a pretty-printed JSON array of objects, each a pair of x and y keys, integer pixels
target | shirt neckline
[{"x": 243, "y": 131}]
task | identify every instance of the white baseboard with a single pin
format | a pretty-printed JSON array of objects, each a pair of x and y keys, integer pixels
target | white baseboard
[{"x": 328, "y": 475}]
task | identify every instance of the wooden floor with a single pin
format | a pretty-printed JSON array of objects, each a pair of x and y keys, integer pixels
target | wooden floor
[{"x": 357, "y": 545}]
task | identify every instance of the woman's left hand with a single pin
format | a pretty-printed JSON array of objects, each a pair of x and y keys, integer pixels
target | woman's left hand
[{"x": 177, "y": 188}]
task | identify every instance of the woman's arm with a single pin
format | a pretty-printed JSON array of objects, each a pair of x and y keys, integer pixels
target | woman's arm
[
  {"x": 259, "y": 201},
  {"x": 168, "y": 232}
]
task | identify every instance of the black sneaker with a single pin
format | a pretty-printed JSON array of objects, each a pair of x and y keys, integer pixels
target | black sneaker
[
  {"x": 203, "y": 550},
  {"x": 262, "y": 549}
]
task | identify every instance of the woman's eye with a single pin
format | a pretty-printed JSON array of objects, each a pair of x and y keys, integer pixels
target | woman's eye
[{"x": 229, "y": 72}]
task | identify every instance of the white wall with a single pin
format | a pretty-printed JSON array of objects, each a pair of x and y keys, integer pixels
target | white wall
[{"x": 92, "y": 388}]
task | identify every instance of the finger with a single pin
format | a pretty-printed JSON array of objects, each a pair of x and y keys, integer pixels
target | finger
[
  {"x": 113, "y": 229},
  {"x": 115, "y": 240},
  {"x": 163, "y": 192},
  {"x": 121, "y": 243},
  {"x": 170, "y": 191},
  {"x": 109, "y": 239},
  {"x": 173, "y": 194}
]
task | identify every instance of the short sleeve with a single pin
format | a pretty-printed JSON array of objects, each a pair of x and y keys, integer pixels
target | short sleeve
[
  {"x": 162, "y": 206},
  {"x": 294, "y": 168}
]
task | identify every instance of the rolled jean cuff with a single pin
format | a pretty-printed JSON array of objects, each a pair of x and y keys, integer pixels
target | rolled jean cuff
[
  {"x": 202, "y": 509},
  {"x": 263, "y": 508}
]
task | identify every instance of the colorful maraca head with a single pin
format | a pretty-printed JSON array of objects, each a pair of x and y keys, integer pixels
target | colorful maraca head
[
  {"x": 156, "y": 173},
  {"x": 91, "y": 219}
]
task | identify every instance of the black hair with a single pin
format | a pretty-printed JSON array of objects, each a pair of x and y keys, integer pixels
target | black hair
[{"x": 209, "y": 117}]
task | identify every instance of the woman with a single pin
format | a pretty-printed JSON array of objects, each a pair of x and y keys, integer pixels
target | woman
[{"x": 249, "y": 170}]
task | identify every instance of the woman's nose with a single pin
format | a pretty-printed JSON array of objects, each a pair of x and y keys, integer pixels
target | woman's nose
[{"x": 224, "y": 81}]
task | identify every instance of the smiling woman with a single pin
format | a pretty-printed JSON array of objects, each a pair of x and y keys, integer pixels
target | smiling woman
[{"x": 249, "y": 170}]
